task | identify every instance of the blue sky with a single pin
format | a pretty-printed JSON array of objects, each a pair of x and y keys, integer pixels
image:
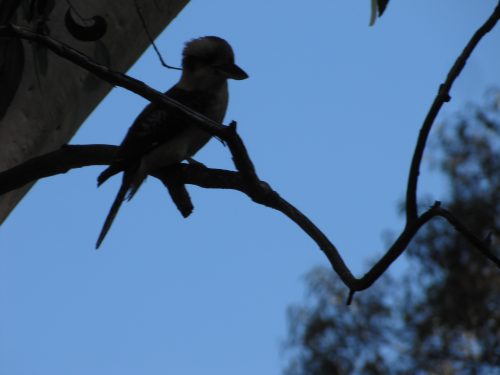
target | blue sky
[{"x": 330, "y": 116}]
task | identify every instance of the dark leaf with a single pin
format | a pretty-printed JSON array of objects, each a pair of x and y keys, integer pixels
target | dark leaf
[
  {"x": 382, "y": 4},
  {"x": 91, "y": 33}
]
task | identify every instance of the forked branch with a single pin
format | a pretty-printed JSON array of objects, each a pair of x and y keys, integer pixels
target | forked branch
[{"x": 245, "y": 179}]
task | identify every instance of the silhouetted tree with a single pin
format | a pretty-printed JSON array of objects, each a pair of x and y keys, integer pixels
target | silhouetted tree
[{"x": 444, "y": 317}]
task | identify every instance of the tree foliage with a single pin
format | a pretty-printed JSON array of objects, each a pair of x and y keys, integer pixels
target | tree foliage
[{"x": 443, "y": 315}]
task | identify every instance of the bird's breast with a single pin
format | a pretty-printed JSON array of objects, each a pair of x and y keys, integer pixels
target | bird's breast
[
  {"x": 216, "y": 110},
  {"x": 192, "y": 138}
]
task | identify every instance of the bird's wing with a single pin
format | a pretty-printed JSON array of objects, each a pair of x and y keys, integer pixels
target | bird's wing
[
  {"x": 155, "y": 125},
  {"x": 158, "y": 124}
]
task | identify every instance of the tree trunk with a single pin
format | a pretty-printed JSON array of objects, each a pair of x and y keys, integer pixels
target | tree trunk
[{"x": 43, "y": 98}]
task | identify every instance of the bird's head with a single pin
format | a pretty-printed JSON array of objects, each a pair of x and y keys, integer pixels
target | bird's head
[{"x": 207, "y": 63}]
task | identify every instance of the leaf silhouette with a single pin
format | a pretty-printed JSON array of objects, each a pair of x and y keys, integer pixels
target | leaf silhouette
[{"x": 90, "y": 33}]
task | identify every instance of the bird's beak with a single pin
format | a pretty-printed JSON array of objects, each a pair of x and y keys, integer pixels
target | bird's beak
[{"x": 232, "y": 71}]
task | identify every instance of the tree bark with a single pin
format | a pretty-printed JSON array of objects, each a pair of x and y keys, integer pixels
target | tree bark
[{"x": 54, "y": 96}]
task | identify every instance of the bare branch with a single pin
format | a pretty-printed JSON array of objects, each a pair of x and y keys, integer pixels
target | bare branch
[
  {"x": 246, "y": 179},
  {"x": 54, "y": 163},
  {"x": 482, "y": 245},
  {"x": 442, "y": 97},
  {"x": 76, "y": 156}
]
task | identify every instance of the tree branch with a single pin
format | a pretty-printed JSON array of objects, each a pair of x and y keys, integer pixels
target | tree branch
[
  {"x": 442, "y": 97},
  {"x": 54, "y": 163},
  {"x": 77, "y": 156},
  {"x": 245, "y": 179}
]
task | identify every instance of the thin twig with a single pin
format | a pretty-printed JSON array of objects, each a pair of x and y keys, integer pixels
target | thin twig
[{"x": 150, "y": 38}]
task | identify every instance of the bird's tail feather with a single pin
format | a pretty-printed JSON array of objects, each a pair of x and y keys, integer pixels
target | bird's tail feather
[
  {"x": 139, "y": 176},
  {"x": 115, "y": 207}
]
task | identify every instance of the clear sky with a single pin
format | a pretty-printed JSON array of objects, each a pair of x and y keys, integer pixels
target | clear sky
[{"x": 330, "y": 115}]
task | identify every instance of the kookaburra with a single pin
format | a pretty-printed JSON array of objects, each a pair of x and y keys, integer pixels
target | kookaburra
[{"x": 160, "y": 137}]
